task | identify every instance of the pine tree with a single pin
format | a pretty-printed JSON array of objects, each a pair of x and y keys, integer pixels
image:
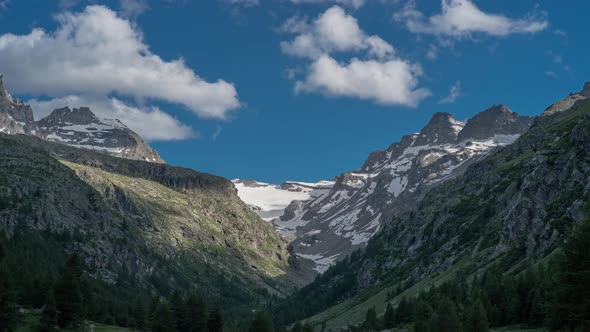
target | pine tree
[
  {"x": 477, "y": 320},
  {"x": 389, "y": 317},
  {"x": 178, "y": 309},
  {"x": 215, "y": 321},
  {"x": 8, "y": 308},
  {"x": 195, "y": 314},
  {"x": 262, "y": 323},
  {"x": 571, "y": 307},
  {"x": 537, "y": 311},
  {"x": 448, "y": 320},
  {"x": 68, "y": 296},
  {"x": 422, "y": 326},
  {"x": 163, "y": 320},
  {"x": 49, "y": 315},
  {"x": 371, "y": 321},
  {"x": 140, "y": 315}
]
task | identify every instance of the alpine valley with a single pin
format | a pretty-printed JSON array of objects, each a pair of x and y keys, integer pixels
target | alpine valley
[{"x": 458, "y": 227}]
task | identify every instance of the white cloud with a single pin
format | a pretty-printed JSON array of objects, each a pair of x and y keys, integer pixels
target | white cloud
[
  {"x": 247, "y": 3},
  {"x": 132, "y": 8},
  {"x": 460, "y": 18},
  {"x": 379, "y": 75},
  {"x": 349, "y": 3},
  {"x": 389, "y": 82},
  {"x": 151, "y": 124},
  {"x": 453, "y": 94},
  {"x": 332, "y": 31},
  {"x": 97, "y": 53}
]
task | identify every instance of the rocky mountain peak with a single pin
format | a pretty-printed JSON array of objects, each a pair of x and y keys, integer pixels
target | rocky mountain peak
[
  {"x": 496, "y": 120},
  {"x": 585, "y": 90},
  {"x": 77, "y": 116},
  {"x": 442, "y": 128},
  {"x": 15, "y": 116},
  {"x": 80, "y": 127},
  {"x": 5, "y": 97}
]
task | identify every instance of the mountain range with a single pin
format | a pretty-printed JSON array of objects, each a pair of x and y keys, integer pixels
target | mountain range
[
  {"x": 499, "y": 190},
  {"x": 330, "y": 223}
]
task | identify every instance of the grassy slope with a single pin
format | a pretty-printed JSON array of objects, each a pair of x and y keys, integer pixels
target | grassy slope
[{"x": 173, "y": 213}]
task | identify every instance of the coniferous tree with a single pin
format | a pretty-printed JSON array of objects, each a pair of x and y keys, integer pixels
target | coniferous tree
[
  {"x": 8, "y": 308},
  {"x": 49, "y": 314},
  {"x": 68, "y": 296},
  {"x": 215, "y": 321},
  {"x": 163, "y": 320},
  {"x": 389, "y": 317},
  {"x": 262, "y": 323},
  {"x": 195, "y": 314},
  {"x": 571, "y": 307},
  {"x": 537, "y": 309},
  {"x": 477, "y": 320},
  {"x": 448, "y": 320},
  {"x": 178, "y": 309},
  {"x": 371, "y": 323},
  {"x": 140, "y": 315}
]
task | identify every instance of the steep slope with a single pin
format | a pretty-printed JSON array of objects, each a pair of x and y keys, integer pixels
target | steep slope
[
  {"x": 15, "y": 116},
  {"x": 81, "y": 128},
  {"x": 390, "y": 182},
  {"x": 510, "y": 208},
  {"x": 171, "y": 227}
]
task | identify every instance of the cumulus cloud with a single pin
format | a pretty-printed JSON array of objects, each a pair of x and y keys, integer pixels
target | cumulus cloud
[
  {"x": 97, "y": 53},
  {"x": 377, "y": 75},
  {"x": 151, "y": 124},
  {"x": 453, "y": 94},
  {"x": 332, "y": 31},
  {"x": 388, "y": 82},
  {"x": 460, "y": 18}
]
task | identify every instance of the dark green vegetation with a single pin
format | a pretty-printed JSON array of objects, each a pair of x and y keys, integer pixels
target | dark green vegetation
[
  {"x": 140, "y": 230},
  {"x": 508, "y": 210}
]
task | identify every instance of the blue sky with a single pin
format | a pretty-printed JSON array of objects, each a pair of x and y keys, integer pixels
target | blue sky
[{"x": 289, "y": 89}]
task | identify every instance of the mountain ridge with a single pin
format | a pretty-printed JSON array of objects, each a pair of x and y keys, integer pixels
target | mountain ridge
[{"x": 78, "y": 127}]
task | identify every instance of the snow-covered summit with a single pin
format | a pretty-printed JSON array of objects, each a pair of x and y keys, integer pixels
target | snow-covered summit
[{"x": 80, "y": 127}]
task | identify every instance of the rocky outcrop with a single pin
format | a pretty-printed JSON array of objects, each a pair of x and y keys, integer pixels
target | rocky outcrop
[
  {"x": 569, "y": 101},
  {"x": 15, "y": 116},
  {"x": 81, "y": 128}
]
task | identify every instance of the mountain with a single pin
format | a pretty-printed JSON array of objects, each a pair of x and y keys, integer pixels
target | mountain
[
  {"x": 331, "y": 225},
  {"x": 81, "y": 128},
  {"x": 168, "y": 227},
  {"x": 508, "y": 209},
  {"x": 15, "y": 116},
  {"x": 78, "y": 127}
]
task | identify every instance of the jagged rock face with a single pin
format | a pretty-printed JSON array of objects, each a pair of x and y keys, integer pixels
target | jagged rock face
[
  {"x": 330, "y": 226},
  {"x": 15, "y": 116},
  {"x": 496, "y": 120},
  {"x": 82, "y": 128},
  {"x": 569, "y": 101}
]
